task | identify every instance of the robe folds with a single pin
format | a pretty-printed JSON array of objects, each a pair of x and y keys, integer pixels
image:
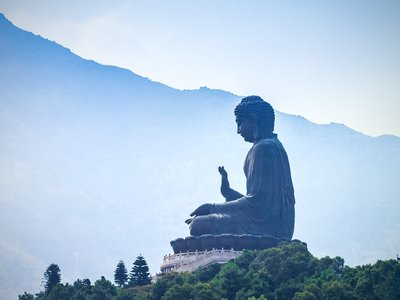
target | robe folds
[{"x": 268, "y": 206}]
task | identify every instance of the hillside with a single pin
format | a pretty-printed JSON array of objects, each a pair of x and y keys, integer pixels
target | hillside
[
  {"x": 288, "y": 271},
  {"x": 99, "y": 164}
]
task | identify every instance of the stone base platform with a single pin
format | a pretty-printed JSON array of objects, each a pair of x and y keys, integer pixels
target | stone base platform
[
  {"x": 194, "y": 252},
  {"x": 225, "y": 241},
  {"x": 191, "y": 261}
]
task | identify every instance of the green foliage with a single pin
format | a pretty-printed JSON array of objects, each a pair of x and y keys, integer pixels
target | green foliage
[
  {"x": 164, "y": 283},
  {"x": 179, "y": 292},
  {"x": 288, "y": 271},
  {"x": 337, "y": 290},
  {"x": 121, "y": 274},
  {"x": 206, "y": 291},
  {"x": 103, "y": 289},
  {"x": 140, "y": 272},
  {"x": 161, "y": 286},
  {"x": 305, "y": 295},
  {"x": 134, "y": 293},
  {"x": 199, "y": 291},
  {"x": 26, "y": 296},
  {"x": 230, "y": 279},
  {"x": 60, "y": 291},
  {"x": 207, "y": 273},
  {"x": 52, "y": 277},
  {"x": 379, "y": 281},
  {"x": 286, "y": 290},
  {"x": 312, "y": 289},
  {"x": 245, "y": 260},
  {"x": 286, "y": 262}
]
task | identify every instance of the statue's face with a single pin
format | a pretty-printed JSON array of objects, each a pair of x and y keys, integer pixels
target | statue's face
[{"x": 246, "y": 128}]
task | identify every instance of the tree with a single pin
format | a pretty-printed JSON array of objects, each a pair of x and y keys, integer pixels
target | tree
[
  {"x": 121, "y": 274},
  {"x": 288, "y": 271},
  {"x": 60, "y": 292},
  {"x": 52, "y": 277},
  {"x": 103, "y": 289},
  {"x": 304, "y": 295},
  {"x": 179, "y": 292},
  {"x": 26, "y": 296},
  {"x": 230, "y": 279},
  {"x": 139, "y": 274},
  {"x": 165, "y": 282},
  {"x": 206, "y": 291}
]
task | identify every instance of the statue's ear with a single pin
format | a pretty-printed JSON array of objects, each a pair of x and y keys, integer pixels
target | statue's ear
[{"x": 253, "y": 118}]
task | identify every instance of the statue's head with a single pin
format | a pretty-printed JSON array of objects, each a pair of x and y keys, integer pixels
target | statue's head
[{"x": 255, "y": 118}]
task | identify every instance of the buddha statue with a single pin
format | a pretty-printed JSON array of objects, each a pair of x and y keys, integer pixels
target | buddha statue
[{"x": 267, "y": 208}]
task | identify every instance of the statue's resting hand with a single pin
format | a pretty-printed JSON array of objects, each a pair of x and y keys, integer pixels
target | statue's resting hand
[{"x": 202, "y": 210}]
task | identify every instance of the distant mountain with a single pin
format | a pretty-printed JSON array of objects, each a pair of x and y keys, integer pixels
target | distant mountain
[{"x": 99, "y": 164}]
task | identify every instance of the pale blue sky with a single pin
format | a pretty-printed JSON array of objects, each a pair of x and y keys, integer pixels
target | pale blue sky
[{"x": 329, "y": 61}]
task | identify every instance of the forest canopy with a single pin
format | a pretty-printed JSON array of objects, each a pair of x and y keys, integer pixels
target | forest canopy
[{"x": 288, "y": 271}]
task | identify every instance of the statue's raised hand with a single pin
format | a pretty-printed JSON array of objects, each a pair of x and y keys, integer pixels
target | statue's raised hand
[
  {"x": 225, "y": 187},
  {"x": 223, "y": 173},
  {"x": 226, "y": 191},
  {"x": 202, "y": 210}
]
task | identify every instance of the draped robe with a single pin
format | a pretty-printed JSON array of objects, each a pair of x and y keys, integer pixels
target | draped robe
[{"x": 268, "y": 206}]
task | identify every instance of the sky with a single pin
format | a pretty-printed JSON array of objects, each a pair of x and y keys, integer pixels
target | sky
[{"x": 329, "y": 61}]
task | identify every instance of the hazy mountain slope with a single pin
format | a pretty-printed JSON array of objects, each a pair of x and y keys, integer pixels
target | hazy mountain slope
[
  {"x": 346, "y": 186},
  {"x": 99, "y": 164}
]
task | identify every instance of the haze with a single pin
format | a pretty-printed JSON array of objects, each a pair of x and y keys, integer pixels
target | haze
[
  {"x": 335, "y": 61},
  {"x": 99, "y": 164}
]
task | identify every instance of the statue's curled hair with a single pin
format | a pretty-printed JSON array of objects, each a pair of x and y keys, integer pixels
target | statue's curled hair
[{"x": 263, "y": 110}]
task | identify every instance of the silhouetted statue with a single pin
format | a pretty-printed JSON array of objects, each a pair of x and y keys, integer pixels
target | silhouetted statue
[{"x": 268, "y": 206}]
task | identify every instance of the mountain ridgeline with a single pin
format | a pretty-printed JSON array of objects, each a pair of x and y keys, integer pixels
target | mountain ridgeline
[{"x": 98, "y": 163}]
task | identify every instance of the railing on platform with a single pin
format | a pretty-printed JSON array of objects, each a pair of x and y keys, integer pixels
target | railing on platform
[{"x": 190, "y": 261}]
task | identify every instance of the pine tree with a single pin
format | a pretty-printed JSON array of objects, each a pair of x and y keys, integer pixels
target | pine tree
[
  {"x": 139, "y": 274},
  {"x": 121, "y": 274},
  {"x": 52, "y": 277}
]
